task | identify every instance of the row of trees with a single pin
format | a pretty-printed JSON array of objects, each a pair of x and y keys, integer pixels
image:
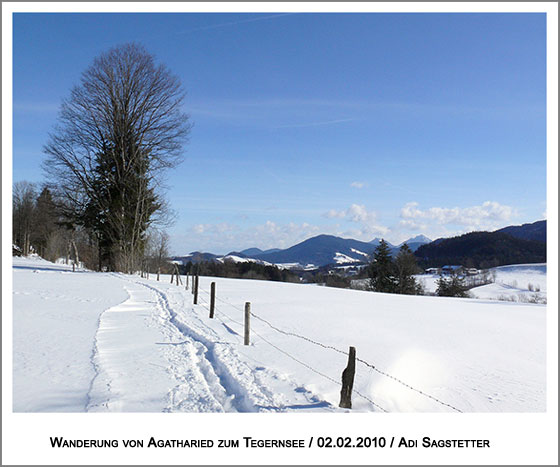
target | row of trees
[
  {"x": 397, "y": 275},
  {"x": 34, "y": 221},
  {"x": 241, "y": 270},
  {"x": 37, "y": 226},
  {"x": 389, "y": 274},
  {"x": 40, "y": 226},
  {"x": 118, "y": 132}
]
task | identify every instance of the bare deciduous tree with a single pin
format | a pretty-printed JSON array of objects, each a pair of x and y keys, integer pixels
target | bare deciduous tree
[
  {"x": 119, "y": 130},
  {"x": 162, "y": 251},
  {"x": 158, "y": 251},
  {"x": 23, "y": 212}
]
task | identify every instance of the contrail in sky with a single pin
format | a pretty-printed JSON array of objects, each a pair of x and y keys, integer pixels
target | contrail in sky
[
  {"x": 231, "y": 23},
  {"x": 328, "y": 122}
]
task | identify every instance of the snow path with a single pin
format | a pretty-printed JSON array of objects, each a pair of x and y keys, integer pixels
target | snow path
[
  {"x": 157, "y": 336},
  {"x": 131, "y": 350}
]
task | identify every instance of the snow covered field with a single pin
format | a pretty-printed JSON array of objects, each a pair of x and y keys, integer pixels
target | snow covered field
[
  {"x": 515, "y": 283},
  {"x": 89, "y": 341}
]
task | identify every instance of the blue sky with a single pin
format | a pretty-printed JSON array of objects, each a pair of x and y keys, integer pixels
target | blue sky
[{"x": 358, "y": 125}]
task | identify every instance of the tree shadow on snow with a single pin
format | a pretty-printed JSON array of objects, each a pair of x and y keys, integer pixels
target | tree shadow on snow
[{"x": 53, "y": 268}]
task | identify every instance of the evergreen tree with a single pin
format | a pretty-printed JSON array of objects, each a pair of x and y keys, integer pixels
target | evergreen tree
[
  {"x": 44, "y": 221},
  {"x": 451, "y": 286},
  {"x": 405, "y": 268},
  {"x": 381, "y": 270}
]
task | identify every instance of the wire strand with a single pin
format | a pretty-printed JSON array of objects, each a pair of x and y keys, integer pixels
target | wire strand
[
  {"x": 408, "y": 385},
  {"x": 329, "y": 347}
]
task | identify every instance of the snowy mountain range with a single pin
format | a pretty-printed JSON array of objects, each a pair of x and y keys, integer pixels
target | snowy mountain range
[
  {"x": 314, "y": 252},
  {"x": 524, "y": 242}
]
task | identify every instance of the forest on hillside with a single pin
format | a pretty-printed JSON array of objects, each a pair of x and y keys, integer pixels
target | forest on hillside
[{"x": 481, "y": 250}]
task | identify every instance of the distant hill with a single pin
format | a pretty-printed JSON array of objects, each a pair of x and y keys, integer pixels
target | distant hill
[
  {"x": 413, "y": 243},
  {"x": 319, "y": 251},
  {"x": 195, "y": 257},
  {"x": 535, "y": 231},
  {"x": 416, "y": 242},
  {"x": 322, "y": 250},
  {"x": 510, "y": 245},
  {"x": 257, "y": 251},
  {"x": 481, "y": 250},
  {"x": 252, "y": 251}
]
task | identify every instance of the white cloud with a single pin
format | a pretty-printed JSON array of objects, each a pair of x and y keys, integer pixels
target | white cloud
[
  {"x": 357, "y": 213},
  {"x": 358, "y": 185},
  {"x": 333, "y": 213},
  {"x": 213, "y": 228},
  {"x": 274, "y": 235},
  {"x": 488, "y": 215},
  {"x": 356, "y": 221},
  {"x": 222, "y": 238}
]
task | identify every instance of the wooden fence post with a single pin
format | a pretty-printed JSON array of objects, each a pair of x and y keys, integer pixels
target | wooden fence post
[
  {"x": 172, "y": 274},
  {"x": 348, "y": 380},
  {"x": 247, "y": 322},
  {"x": 187, "y": 281},
  {"x": 158, "y": 269},
  {"x": 195, "y": 301},
  {"x": 212, "y": 298},
  {"x": 73, "y": 266}
]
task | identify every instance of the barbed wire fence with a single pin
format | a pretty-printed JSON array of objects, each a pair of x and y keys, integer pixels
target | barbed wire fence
[
  {"x": 283, "y": 351},
  {"x": 219, "y": 311}
]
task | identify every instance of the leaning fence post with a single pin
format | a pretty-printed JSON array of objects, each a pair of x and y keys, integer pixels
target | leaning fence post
[
  {"x": 247, "y": 322},
  {"x": 195, "y": 301},
  {"x": 212, "y": 298},
  {"x": 348, "y": 380}
]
